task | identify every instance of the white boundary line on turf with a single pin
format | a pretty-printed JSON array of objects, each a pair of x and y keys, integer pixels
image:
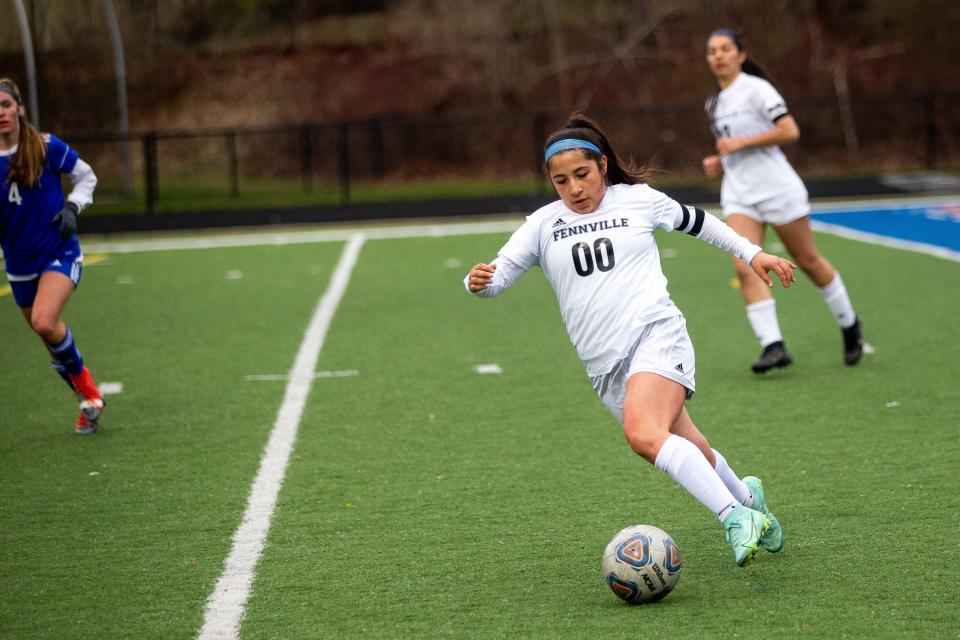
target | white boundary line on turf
[
  {"x": 226, "y": 605},
  {"x": 437, "y": 230},
  {"x": 309, "y": 236},
  {"x": 881, "y": 204},
  {"x": 274, "y": 377}
]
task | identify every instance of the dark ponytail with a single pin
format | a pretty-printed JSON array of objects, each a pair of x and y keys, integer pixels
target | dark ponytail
[
  {"x": 752, "y": 68},
  {"x": 580, "y": 127}
]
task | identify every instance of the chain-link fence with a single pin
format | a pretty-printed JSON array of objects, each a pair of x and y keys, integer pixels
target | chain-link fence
[{"x": 383, "y": 159}]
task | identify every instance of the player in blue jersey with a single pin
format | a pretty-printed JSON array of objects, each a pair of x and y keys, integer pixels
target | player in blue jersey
[{"x": 38, "y": 236}]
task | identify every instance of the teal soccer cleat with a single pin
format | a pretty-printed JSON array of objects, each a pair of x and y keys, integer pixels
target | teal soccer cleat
[
  {"x": 744, "y": 528},
  {"x": 772, "y": 540}
]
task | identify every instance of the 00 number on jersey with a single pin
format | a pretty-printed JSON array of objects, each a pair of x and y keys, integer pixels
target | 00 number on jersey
[{"x": 601, "y": 258}]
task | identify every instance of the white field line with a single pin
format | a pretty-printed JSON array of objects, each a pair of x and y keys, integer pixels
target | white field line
[
  {"x": 280, "y": 238},
  {"x": 226, "y": 605},
  {"x": 437, "y": 230},
  {"x": 274, "y": 377},
  {"x": 892, "y": 202}
]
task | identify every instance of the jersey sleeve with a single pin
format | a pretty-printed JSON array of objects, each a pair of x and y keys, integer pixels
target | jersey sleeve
[
  {"x": 84, "y": 182},
  {"x": 60, "y": 157},
  {"x": 666, "y": 210},
  {"x": 504, "y": 276},
  {"x": 698, "y": 223},
  {"x": 523, "y": 247},
  {"x": 770, "y": 102},
  {"x": 515, "y": 258}
]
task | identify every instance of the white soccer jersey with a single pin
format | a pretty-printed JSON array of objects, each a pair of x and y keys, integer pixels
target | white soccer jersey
[
  {"x": 751, "y": 106},
  {"x": 605, "y": 266}
]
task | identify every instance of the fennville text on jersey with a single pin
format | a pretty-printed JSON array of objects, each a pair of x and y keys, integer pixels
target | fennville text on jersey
[{"x": 589, "y": 227}]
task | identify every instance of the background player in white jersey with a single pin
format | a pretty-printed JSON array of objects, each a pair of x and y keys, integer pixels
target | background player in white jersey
[
  {"x": 596, "y": 247},
  {"x": 38, "y": 236},
  {"x": 749, "y": 119}
]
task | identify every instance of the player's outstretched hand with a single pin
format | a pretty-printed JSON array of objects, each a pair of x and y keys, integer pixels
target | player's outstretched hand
[
  {"x": 763, "y": 262},
  {"x": 480, "y": 277}
]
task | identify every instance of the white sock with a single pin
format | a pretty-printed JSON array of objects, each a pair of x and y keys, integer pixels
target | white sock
[
  {"x": 763, "y": 318},
  {"x": 681, "y": 460},
  {"x": 835, "y": 295},
  {"x": 732, "y": 482}
]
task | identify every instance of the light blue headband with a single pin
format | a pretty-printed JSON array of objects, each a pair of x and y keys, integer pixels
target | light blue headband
[
  {"x": 722, "y": 32},
  {"x": 569, "y": 143}
]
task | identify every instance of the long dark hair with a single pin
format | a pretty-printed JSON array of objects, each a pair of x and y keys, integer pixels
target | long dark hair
[
  {"x": 748, "y": 66},
  {"x": 27, "y": 163},
  {"x": 619, "y": 171}
]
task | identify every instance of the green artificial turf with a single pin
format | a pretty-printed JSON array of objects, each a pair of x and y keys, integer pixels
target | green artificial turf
[{"x": 423, "y": 499}]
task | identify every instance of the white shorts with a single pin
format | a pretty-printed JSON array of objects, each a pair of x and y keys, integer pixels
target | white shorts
[
  {"x": 663, "y": 348},
  {"x": 782, "y": 209}
]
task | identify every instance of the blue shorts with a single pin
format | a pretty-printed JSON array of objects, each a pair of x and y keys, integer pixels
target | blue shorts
[{"x": 25, "y": 288}]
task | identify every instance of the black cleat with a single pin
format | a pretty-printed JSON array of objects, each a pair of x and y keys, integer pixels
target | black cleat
[
  {"x": 853, "y": 343},
  {"x": 774, "y": 355}
]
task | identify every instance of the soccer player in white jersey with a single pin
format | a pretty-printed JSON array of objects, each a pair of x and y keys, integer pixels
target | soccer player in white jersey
[
  {"x": 38, "y": 236},
  {"x": 596, "y": 247},
  {"x": 750, "y": 120}
]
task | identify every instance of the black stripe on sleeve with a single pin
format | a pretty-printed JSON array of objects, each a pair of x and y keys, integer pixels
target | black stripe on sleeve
[
  {"x": 686, "y": 218},
  {"x": 782, "y": 115},
  {"x": 698, "y": 224}
]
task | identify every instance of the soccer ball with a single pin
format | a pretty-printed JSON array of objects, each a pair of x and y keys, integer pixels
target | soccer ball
[{"x": 642, "y": 564}]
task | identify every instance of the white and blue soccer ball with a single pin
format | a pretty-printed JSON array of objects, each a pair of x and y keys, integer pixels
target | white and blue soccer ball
[{"x": 641, "y": 564}]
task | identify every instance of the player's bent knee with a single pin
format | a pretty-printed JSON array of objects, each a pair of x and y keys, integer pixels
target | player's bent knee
[
  {"x": 43, "y": 326},
  {"x": 809, "y": 261},
  {"x": 645, "y": 443}
]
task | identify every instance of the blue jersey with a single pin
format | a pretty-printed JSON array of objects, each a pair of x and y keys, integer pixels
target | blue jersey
[{"x": 32, "y": 239}]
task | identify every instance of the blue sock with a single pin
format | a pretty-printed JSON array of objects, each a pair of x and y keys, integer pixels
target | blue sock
[
  {"x": 62, "y": 372},
  {"x": 68, "y": 355}
]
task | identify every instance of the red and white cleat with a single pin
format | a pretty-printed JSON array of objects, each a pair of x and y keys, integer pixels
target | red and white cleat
[
  {"x": 85, "y": 427},
  {"x": 91, "y": 403}
]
